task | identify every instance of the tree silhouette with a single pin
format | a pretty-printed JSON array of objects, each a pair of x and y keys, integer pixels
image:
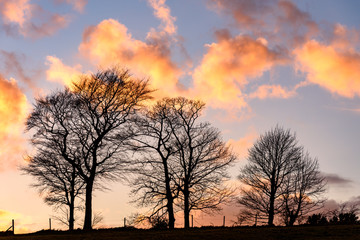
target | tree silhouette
[
  {"x": 154, "y": 144},
  {"x": 272, "y": 159},
  {"x": 56, "y": 177},
  {"x": 202, "y": 158},
  {"x": 98, "y": 123},
  {"x": 302, "y": 190},
  {"x": 184, "y": 162}
]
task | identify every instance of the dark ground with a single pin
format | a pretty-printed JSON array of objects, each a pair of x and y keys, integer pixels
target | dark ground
[{"x": 238, "y": 233}]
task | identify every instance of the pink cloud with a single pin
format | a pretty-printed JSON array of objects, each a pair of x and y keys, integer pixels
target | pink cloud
[
  {"x": 31, "y": 20},
  {"x": 241, "y": 146},
  {"x": 281, "y": 21},
  {"x": 78, "y": 5},
  {"x": 13, "y": 63}
]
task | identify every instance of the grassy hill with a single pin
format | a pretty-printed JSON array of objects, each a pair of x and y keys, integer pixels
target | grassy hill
[{"x": 239, "y": 233}]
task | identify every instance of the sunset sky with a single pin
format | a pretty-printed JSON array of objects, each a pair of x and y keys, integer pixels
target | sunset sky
[{"x": 255, "y": 64}]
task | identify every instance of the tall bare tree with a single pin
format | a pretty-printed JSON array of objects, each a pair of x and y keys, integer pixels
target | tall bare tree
[
  {"x": 272, "y": 159},
  {"x": 56, "y": 178},
  {"x": 92, "y": 142},
  {"x": 202, "y": 158},
  {"x": 154, "y": 146},
  {"x": 302, "y": 190},
  {"x": 186, "y": 161}
]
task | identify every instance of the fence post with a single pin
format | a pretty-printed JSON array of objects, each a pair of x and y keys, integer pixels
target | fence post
[
  {"x": 13, "y": 226},
  {"x": 224, "y": 222},
  {"x": 124, "y": 222},
  {"x": 49, "y": 223},
  {"x": 192, "y": 221}
]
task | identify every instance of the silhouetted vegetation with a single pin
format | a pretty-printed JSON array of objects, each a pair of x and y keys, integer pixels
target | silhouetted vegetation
[
  {"x": 317, "y": 219},
  {"x": 202, "y": 157},
  {"x": 92, "y": 125},
  {"x": 56, "y": 178},
  {"x": 280, "y": 179},
  {"x": 153, "y": 144},
  {"x": 182, "y": 161},
  {"x": 346, "y": 213},
  {"x": 100, "y": 130}
]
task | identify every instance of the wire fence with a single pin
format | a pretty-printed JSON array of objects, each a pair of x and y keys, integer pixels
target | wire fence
[{"x": 11, "y": 229}]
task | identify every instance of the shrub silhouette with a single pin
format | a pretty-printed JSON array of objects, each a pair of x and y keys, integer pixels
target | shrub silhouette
[{"x": 317, "y": 219}]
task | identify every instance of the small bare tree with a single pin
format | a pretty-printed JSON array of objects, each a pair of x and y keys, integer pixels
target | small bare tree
[
  {"x": 302, "y": 190},
  {"x": 272, "y": 159},
  {"x": 248, "y": 217},
  {"x": 281, "y": 178}
]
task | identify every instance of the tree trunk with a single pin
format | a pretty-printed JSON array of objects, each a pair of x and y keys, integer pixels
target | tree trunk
[
  {"x": 171, "y": 213},
  {"x": 72, "y": 200},
  {"x": 186, "y": 207},
  {"x": 271, "y": 211},
  {"x": 71, "y": 213},
  {"x": 169, "y": 197},
  {"x": 292, "y": 220},
  {"x": 88, "y": 205}
]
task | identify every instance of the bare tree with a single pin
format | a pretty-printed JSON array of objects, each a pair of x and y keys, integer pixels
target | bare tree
[
  {"x": 154, "y": 145},
  {"x": 96, "y": 127},
  {"x": 272, "y": 159},
  {"x": 63, "y": 215},
  {"x": 56, "y": 178},
  {"x": 202, "y": 158},
  {"x": 255, "y": 209},
  {"x": 249, "y": 217},
  {"x": 97, "y": 218},
  {"x": 302, "y": 190},
  {"x": 58, "y": 181},
  {"x": 185, "y": 162}
]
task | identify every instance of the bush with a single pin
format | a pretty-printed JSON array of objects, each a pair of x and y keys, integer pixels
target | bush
[
  {"x": 317, "y": 219},
  {"x": 158, "y": 222}
]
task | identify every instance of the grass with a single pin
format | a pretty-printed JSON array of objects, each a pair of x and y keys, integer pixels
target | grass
[{"x": 333, "y": 232}]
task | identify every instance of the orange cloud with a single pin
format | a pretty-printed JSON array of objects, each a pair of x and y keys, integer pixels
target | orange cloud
[
  {"x": 30, "y": 20},
  {"x": 332, "y": 68},
  {"x": 61, "y": 73},
  {"x": 144, "y": 59},
  {"x": 272, "y": 91},
  {"x": 13, "y": 112},
  {"x": 162, "y": 12},
  {"x": 227, "y": 67}
]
